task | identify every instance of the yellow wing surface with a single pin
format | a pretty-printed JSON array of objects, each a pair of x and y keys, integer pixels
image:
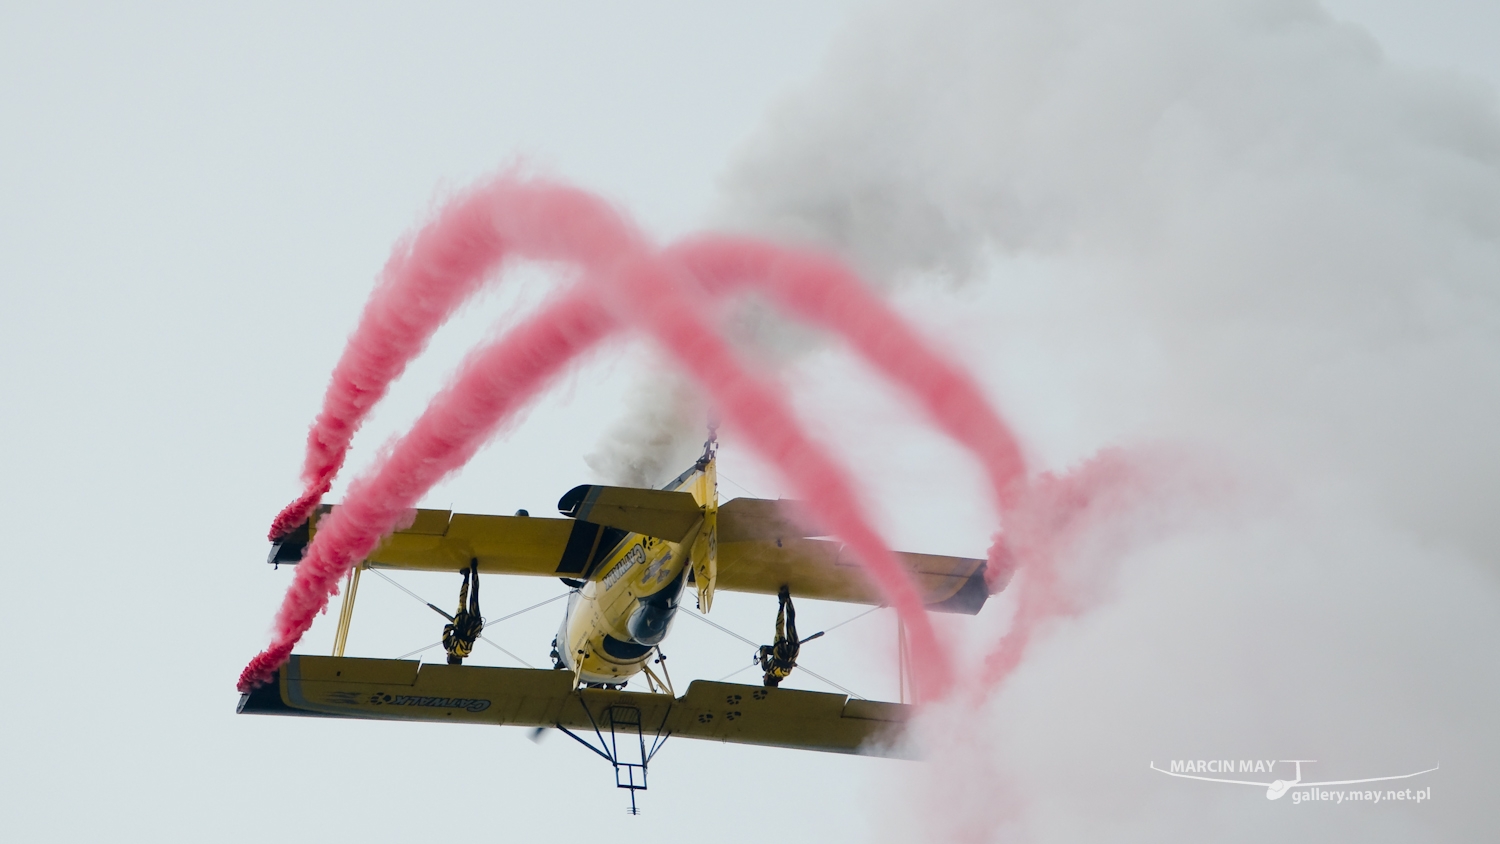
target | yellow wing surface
[
  {"x": 440, "y": 540},
  {"x": 762, "y": 545},
  {"x": 822, "y": 569},
  {"x": 404, "y": 690}
]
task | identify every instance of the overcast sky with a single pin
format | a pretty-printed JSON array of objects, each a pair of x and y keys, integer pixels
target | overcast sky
[{"x": 195, "y": 202}]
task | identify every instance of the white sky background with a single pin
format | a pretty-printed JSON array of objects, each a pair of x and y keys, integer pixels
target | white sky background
[{"x": 194, "y": 206}]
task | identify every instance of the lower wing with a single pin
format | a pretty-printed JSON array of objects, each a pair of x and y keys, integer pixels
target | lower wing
[{"x": 388, "y": 689}]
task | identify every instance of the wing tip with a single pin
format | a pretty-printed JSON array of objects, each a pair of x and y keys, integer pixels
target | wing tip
[{"x": 970, "y": 597}]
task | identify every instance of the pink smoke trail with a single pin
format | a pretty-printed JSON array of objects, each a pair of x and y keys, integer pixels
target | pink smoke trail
[
  {"x": 373, "y": 507},
  {"x": 490, "y": 387},
  {"x": 825, "y": 293},
  {"x": 669, "y": 308},
  {"x": 1044, "y": 526},
  {"x": 428, "y": 276},
  {"x": 1040, "y": 518},
  {"x": 425, "y": 280},
  {"x": 548, "y": 222}
]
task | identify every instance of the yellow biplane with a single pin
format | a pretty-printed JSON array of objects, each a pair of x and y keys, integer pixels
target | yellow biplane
[{"x": 627, "y": 556}]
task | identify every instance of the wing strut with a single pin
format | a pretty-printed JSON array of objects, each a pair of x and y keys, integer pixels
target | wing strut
[{"x": 346, "y": 611}]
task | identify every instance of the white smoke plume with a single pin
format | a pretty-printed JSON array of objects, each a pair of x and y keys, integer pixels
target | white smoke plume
[
  {"x": 1229, "y": 224},
  {"x": 660, "y": 432}
]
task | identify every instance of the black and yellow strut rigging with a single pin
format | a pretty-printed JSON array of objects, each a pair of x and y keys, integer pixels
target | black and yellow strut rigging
[
  {"x": 777, "y": 660},
  {"x": 460, "y": 634}
]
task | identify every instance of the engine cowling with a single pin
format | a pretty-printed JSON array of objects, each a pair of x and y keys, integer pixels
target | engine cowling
[{"x": 652, "y": 617}]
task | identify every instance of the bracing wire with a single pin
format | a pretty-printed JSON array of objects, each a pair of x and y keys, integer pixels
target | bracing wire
[
  {"x": 735, "y": 672},
  {"x": 856, "y": 618},
  {"x": 711, "y": 623},
  {"x": 392, "y": 582},
  {"x": 530, "y": 608},
  {"x": 419, "y": 599},
  {"x": 419, "y": 650},
  {"x": 847, "y": 691},
  {"x": 484, "y": 638},
  {"x": 743, "y": 488},
  {"x": 694, "y": 614}
]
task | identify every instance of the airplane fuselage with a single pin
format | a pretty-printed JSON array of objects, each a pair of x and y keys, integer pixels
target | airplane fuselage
[{"x": 615, "y": 620}]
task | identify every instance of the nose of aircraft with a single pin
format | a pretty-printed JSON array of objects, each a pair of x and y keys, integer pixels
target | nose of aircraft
[
  {"x": 1277, "y": 789},
  {"x": 648, "y": 624}
]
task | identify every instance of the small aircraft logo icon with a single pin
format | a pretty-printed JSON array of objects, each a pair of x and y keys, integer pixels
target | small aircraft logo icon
[{"x": 1277, "y": 788}]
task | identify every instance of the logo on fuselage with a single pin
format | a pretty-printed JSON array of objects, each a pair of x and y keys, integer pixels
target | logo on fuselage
[{"x": 636, "y": 555}]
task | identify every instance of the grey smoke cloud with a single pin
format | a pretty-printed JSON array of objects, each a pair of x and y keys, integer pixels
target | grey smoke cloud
[
  {"x": 1305, "y": 233},
  {"x": 1234, "y": 225},
  {"x": 655, "y": 436}
]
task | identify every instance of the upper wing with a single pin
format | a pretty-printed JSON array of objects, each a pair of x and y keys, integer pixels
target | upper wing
[
  {"x": 651, "y": 512},
  {"x": 389, "y": 689},
  {"x": 669, "y": 515},
  {"x": 744, "y": 519},
  {"x": 822, "y": 569},
  {"x": 762, "y": 546},
  {"x": 439, "y": 540}
]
